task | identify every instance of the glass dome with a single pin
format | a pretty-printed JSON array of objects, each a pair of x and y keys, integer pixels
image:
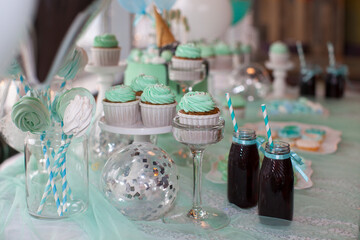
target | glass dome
[{"x": 250, "y": 81}]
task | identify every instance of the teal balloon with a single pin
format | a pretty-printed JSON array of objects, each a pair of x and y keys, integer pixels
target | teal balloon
[{"x": 240, "y": 8}]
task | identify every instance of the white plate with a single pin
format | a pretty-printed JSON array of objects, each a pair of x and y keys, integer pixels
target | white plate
[
  {"x": 216, "y": 177},
  {"x": 106, "y": 69},
  {"x": 137, "y": 129},
  {"x": 329, "y": 144}
]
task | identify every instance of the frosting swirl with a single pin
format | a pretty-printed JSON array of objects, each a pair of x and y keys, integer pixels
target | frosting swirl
[
  {"x": 105, "y": 41},
  {"x": 64, "y": 100},
  {"x": 142, "y": 81},
  {"x": 197, "y": 102},
  {"x": 77, "y": 116},
  {"x": 188, "y": 50},
  {"x": 14, "y": 69},
  {"x": 278, "y": 47},
  {"x": 135, "y": 55},
  {"x": 245, "y": 48},
  {"x": 222, "y": 49},
  {"x": 207, "y": 51},
  {"x": 158, "y": 94},
  {"x": 167, "y": 55},
  {"x": 74, "y": 62},
  {"x": 120, "y": 93},
  {"x": 30, "y": 114}
]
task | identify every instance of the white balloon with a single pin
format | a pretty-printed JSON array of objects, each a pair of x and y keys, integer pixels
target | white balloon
[
  {"x": 15, "y": 16},
  {"x": 208, "y": 19}
]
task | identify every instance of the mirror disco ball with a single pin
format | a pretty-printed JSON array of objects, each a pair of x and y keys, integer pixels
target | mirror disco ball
[
  {"x": 141, "y": 181},
  {"x": 250, "y": 81}
]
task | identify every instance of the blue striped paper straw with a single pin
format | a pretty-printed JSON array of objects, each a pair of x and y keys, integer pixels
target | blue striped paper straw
[
  {"x": 57, "y": 169},
  {"x": 231, "y": 110},
  {"x": 301, "y": 54},
  {"x": 50, "y": 172},
  {"x": 65, "y": 185},
  {"x": 332, "y": 61},
  {"x": 267, "y": 125}
]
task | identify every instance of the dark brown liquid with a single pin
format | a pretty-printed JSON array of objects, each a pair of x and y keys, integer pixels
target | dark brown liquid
[
  {"x": 276, "y": 189},
  {"x": 243, "y": 175},
  {"x": 335, "y": 86},
  {"x": 308, "y": 88}
]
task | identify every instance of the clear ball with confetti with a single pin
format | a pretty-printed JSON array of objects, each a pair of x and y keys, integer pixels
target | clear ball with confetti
[{"x": 141, "y": 181}]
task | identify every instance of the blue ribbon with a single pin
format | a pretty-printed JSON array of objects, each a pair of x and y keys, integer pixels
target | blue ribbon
[
  {"x": 139, "y": 16},
  {"x": 310, "y": 72},
  {"x": 295, "y": 159},
  {"x": 342, "y": 70}
]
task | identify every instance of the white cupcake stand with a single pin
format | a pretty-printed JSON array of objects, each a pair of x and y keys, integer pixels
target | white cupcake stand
[
  {"x": 279, "y": 74},
  {"x": 139, "y": 131},
  {"x": 106, "y": 76}
]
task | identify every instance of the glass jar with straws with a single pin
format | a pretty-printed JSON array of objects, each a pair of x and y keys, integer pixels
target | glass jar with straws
[
  {"x": 309, "y": 74},
  {"x": 336, "y": 76},
  {"x": 56, "y": 155},
  {"x": 66, "y": 191}
]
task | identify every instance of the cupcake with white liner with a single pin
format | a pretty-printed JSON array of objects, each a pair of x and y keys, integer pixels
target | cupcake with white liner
[
  {"x": 121, "y": 108},
  {"x": 158, "y": 106},
  {"x": 105, "y": 50},
  {"x": 223, "y": 56},
  {"x": 187, "y": 57},
  {"x": 199, "y": 109},
  {"x": 208, "y": 53},
  {"x": 279, "y": 53},
  {"x": 141, "y": 82}
]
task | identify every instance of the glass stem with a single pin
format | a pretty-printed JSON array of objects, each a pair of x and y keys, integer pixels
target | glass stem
[{"x": 196, "y": 211}]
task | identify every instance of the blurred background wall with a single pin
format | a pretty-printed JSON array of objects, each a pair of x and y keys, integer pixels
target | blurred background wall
[{"x": 314, "y": 22}]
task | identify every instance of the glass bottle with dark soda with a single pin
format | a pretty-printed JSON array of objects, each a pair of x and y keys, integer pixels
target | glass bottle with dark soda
[
  {"x": 243, "y": 169},
  {"x": 276, "y": 183},
  {"x": 307, "y": 83},
  {"x": 335, "y": 85}
]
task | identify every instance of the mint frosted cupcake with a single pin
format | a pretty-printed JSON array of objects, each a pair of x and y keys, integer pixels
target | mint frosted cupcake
[
  {"x": 198, "y": 108},
  {"x": 141, "y": 82},
  {"x": 279, "y": 53},
  {"x": 105, "y": 50},
  {"x": 208, "y": 53},
  {"x": 187, "y": 56},
  {"x": 158, "y": 106},
  {"x": 223, "y": 56},
  {"x": 167, "y": 55},
  {"x": 121, "y": 108}
]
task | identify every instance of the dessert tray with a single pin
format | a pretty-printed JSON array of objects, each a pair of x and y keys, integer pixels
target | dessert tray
[
  {"x": 301, "y": 106},
  {"x": 327, "y": 146},
  {"x": 141, "y": 133}
]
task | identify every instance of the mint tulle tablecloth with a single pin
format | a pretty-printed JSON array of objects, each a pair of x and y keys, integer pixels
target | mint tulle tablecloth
[{"x": 328, "y": 210}]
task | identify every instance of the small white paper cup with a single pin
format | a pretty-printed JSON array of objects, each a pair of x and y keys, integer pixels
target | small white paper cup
[
  {"x": 199, "y": 137},
  {"x": 279, "y": 58},
  {"x": 122, "y": 114},
  {"x": 223, "y": 62},
  {"x": 105, "y": 56},
  {"x": 157, "y": 115},
  {"x": 181, "y": 63}
]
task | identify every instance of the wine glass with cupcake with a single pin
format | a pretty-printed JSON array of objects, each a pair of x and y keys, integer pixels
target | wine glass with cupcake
[
  {"x": 197, "y": 125},
  {"x": 186, "y": 67}
]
